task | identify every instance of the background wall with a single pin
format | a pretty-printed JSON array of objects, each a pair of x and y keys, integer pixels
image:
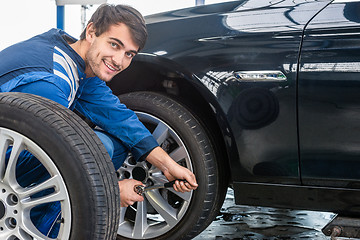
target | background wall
[{"x": 22, "y": 19}]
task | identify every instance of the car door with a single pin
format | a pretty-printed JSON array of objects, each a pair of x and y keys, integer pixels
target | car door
[
  {"x": 329, "y": 97},
  {"x": 260, "y": 103}
]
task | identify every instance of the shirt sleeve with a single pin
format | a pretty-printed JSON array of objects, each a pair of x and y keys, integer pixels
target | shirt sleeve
[
  {"x": 44, "y": 89},
  {"x": 103, "y": 108},
  {"x": 43, "y": 84}
]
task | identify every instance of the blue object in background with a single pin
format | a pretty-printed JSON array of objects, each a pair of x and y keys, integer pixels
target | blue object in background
[{"x": 60, "y": 12}]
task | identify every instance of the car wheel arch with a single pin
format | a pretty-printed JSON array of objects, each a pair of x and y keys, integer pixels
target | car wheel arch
[{"x": 166, "y": 77}]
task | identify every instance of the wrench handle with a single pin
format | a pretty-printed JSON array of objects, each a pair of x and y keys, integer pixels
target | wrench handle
[{"x": 170, "y": 184}]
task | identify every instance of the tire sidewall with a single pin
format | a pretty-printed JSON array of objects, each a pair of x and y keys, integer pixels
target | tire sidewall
[
  {"x": 57, "y": 147},
  {"x": 198, "y": 148}
]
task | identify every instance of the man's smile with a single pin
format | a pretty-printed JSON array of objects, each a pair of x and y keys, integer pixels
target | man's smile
[{"x": 111, "y": 67}]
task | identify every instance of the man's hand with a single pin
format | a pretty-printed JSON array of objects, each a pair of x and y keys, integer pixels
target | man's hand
[
  {"x": 127, "y": 194},
  {"x": 176, "y": 171},
  {"x": 172, "y": 170},
  {"x": 159, "y": 158}
]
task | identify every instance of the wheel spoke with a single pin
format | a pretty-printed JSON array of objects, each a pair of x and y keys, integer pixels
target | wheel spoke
[
  {"x": 122, "y": 214},
  {"x": 178, "y": 154},
  {"x": 4, "y": 145},
  {"x": 10, "y": 176},
  {"x": 25, "y": 236},
  {"x": 53, "y": 182},
  {"x": 141, "y": 220},
  {"x": 162, "y": 207},
  {"x": 161, "y": 132},
  {"x": 124, "y": 226},
  {"x": 186, "y": 196},
  {"x": 155, "y": 171},
  {"x": 30, "y": 231},
  {"x": 158, "y": 178},
  {"x": 53, "y": 197},
  {"x": 127, "y": 164}
]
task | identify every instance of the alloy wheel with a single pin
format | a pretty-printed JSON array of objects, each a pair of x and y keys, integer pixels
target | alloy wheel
[
  {"x": 17, "y": 201},
  {"x": 162, "y": 209}
]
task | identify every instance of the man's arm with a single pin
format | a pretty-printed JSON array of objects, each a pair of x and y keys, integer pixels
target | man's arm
[
  {"x": 99, "y": 104},
  {"x": 44, "y": 89},
  {"x": 159, "y": 158},
  {"x": 104, "y": 109}
]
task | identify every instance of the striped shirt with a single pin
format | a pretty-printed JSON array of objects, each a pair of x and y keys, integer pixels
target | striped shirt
[{"x": 66, "y": 69}]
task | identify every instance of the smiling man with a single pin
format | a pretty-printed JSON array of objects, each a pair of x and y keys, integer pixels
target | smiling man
[
  {"x": 109, "y": 53},
  {"x": 74, "y": 73}
]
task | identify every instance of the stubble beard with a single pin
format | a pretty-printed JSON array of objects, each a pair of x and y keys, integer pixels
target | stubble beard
[{"x": 94, "y": 66}]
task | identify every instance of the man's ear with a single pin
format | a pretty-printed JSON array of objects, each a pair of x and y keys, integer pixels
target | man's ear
[{"x": 90, "y": 32}]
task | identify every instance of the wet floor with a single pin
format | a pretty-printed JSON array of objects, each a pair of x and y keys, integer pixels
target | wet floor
[{"x": 244, "y": 223}]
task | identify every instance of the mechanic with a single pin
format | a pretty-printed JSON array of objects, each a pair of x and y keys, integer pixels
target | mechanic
[{"x": 74, "y": 74}]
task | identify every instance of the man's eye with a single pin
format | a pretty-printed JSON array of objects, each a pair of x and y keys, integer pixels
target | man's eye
[
  {"x": 114, "y": 45},
  {"x": 129, "y": 55}
]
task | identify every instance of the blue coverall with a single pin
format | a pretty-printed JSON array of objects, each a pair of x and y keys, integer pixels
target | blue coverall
[{"x": 46, "y": 65}]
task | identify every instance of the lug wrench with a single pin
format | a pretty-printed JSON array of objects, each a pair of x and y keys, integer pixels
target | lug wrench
[{"x": 141, "y": 189}]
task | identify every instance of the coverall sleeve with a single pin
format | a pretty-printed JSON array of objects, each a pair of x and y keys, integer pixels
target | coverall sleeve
[
  {"x": 103, "y": 108},
  {"x": 44, "y": 89}
]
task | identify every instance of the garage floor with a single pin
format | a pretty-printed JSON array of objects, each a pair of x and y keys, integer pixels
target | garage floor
[{"x": 260, "y": 223}]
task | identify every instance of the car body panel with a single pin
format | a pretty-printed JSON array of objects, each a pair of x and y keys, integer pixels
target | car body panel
[
  {"x": 244, "y": 36},
  {"x": 289, "y": 139},
  {"x": 329, "y": 102}
]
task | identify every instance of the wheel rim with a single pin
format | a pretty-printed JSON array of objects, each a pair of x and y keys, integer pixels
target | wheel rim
[
  {"x": 17, "y": 201},
  {"x": 162, "y": 209}
]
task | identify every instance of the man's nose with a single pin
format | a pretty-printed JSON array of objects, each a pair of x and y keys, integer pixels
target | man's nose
[{"x": 118, "y": 59}]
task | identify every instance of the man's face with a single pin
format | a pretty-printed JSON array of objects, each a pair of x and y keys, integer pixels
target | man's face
[{"x": 109, "y": 53}]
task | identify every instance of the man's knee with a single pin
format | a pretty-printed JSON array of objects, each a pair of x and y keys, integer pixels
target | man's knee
[
  {"x": 117, "y": 151},
  {"x": 106, "y": 140}
]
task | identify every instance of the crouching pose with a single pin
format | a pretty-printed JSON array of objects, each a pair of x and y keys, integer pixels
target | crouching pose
[{"x": 74, "y": 73}]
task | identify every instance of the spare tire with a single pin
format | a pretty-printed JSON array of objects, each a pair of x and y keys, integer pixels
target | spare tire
[{"x": 77, "y": 174}]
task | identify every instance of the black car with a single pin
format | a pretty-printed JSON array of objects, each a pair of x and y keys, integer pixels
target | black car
[{"x": 262, "y": 96}]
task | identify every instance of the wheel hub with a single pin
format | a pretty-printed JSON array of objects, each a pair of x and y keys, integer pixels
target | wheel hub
[
  {"x": 139, "y": 174},
  {"x": 10, "y": 209}
]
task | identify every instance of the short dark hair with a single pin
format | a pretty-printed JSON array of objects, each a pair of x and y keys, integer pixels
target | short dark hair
[{"x": 108, "y": 14}]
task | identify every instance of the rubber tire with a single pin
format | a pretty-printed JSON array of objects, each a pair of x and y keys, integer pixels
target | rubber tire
[
  {"x": 79, "y": 155},
  {"x": 209, "y": 196}
]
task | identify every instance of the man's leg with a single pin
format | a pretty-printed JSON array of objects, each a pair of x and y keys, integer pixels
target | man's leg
[{"x": 117, "y": 151}]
